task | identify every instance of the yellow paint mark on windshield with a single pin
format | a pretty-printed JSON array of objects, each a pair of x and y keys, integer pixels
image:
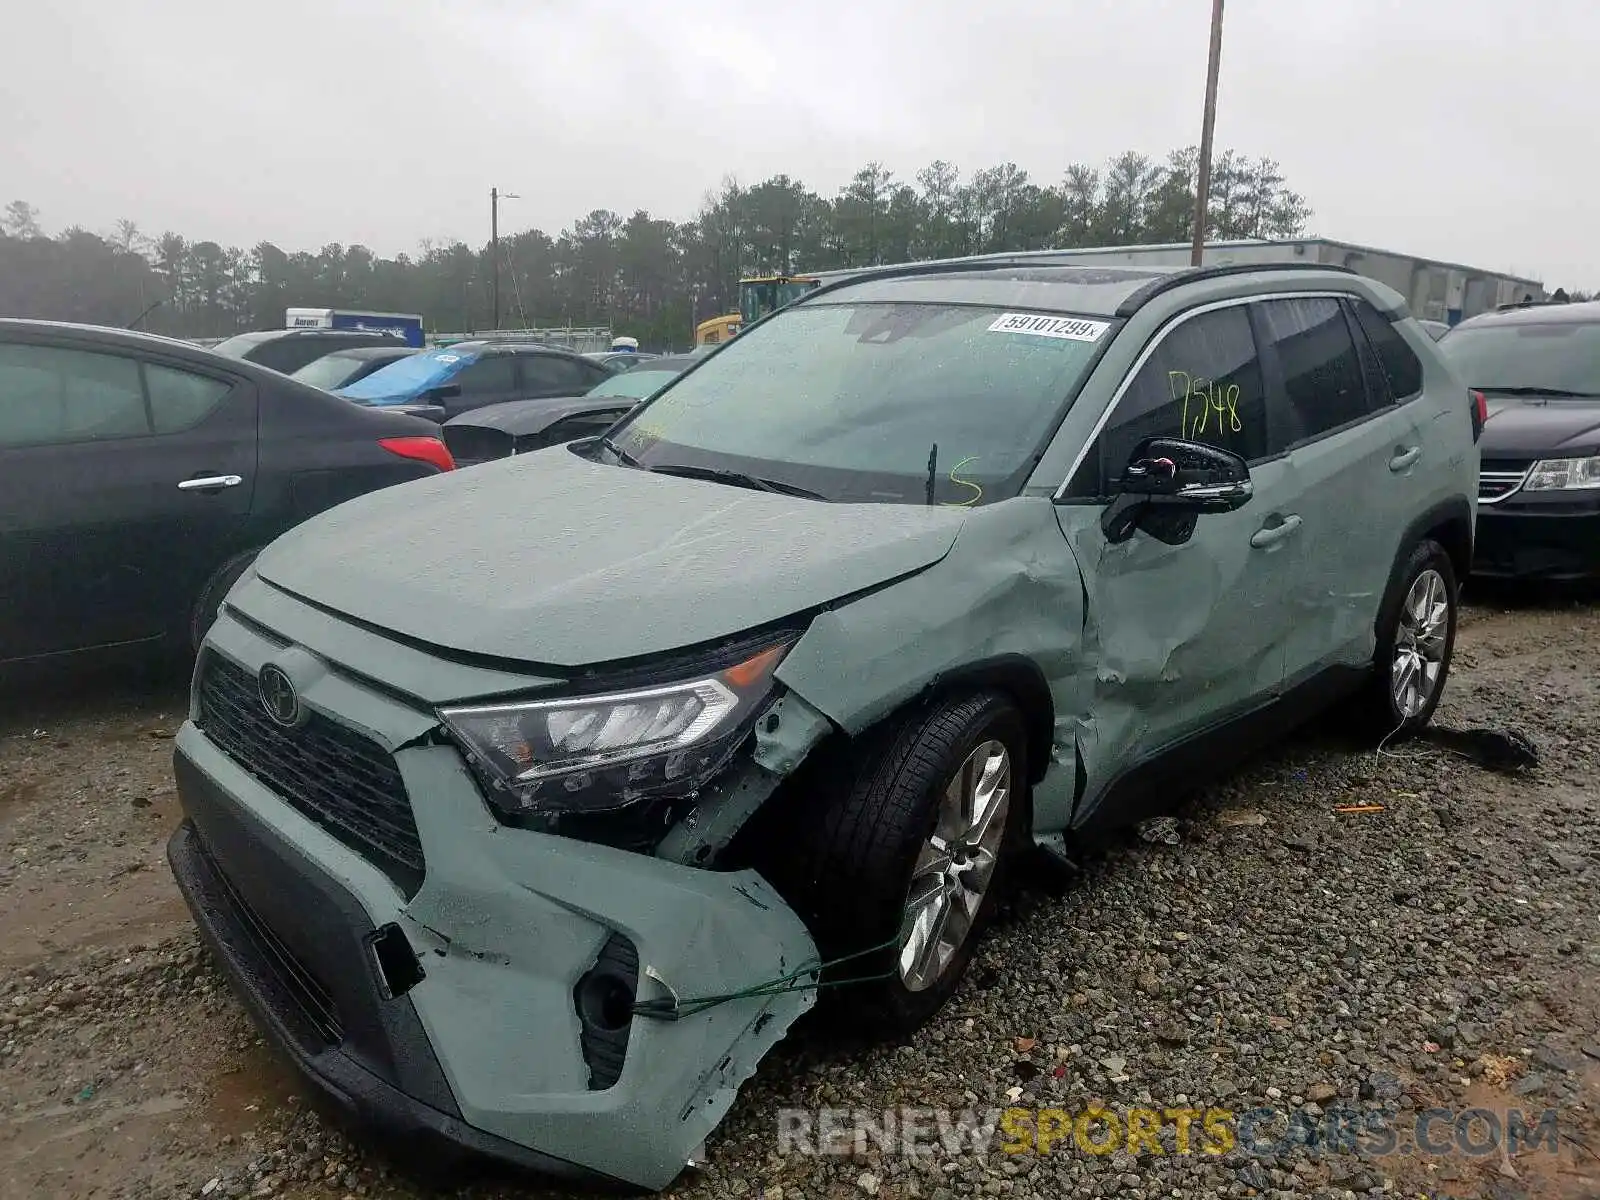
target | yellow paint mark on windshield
[
  {"x": 1200, "y": 398},
  {"x": 977, "y": 490}
]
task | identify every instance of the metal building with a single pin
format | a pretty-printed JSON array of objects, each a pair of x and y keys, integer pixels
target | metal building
[{"x": 1438, "y": 291}]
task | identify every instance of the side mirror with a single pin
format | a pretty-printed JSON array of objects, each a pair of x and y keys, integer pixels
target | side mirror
[{"x": 1169, "y": 483}]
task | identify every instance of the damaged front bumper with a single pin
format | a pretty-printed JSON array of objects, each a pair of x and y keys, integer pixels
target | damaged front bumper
[{"x": 486, "y": 1011}]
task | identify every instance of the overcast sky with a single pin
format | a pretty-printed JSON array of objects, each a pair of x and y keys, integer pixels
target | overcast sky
[{"x": 1457, "y": 129}]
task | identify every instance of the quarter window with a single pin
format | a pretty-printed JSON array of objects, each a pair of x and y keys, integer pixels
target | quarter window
[
  {"x": 180, "y": 400},
  {"x": 1203, "y": 383},
  {"x": 1400, "y": 363},
  {"x": 49, "y": 394}
]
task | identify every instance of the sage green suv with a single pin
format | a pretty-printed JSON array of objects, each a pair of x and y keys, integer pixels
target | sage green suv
[{"x": 527, "y": 806}]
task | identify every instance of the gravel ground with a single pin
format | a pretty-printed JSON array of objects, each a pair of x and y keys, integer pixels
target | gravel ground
[{"x": 1441, "y": 951}]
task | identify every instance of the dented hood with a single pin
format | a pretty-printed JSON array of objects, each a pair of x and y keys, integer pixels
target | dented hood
[{"x": 550, "y": 558}]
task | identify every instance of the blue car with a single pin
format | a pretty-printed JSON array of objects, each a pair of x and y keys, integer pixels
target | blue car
[{"x": 450, "y": 380}]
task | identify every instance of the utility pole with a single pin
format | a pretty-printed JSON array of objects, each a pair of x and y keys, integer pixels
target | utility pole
[
  {"x": 1202, "y": 191},
  {"x": 495, "y": 196}
]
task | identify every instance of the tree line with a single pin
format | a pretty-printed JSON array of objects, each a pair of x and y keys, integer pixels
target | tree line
[{"x": 642, "y": 275}]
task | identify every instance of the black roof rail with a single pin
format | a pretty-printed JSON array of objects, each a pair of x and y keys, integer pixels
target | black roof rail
[{"x": 1165, "y": 283}]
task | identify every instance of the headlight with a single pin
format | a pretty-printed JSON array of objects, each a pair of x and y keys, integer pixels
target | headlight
[
  {"x": 591, "y": 754},
  {"x": 1563, "y": 474}
]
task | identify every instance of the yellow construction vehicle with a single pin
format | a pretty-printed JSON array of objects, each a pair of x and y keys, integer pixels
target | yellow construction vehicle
[{"x": 758, "y": 296}]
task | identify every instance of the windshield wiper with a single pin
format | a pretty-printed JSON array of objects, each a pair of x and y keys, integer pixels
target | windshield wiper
[
  {"x": 737, "y": 478},
  {"x": 623, "y": 456},
  {"x": 1557, "y": 393}
]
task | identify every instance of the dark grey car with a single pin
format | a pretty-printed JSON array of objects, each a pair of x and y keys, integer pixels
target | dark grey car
[{"x": 518, "y": 426}]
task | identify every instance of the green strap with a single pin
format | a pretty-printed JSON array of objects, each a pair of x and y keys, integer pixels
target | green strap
[{"x": 672, "y": 1009}]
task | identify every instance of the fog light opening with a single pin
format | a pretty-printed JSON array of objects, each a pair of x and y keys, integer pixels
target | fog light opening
[
  {"x": 399, "y": 970},
  {"x": 605, "y": 1003}
]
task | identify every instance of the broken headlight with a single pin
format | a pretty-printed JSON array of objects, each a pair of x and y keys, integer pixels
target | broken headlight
[
  {"x": 594, "y": 754},
  {"x": 1563, "y": 474}
]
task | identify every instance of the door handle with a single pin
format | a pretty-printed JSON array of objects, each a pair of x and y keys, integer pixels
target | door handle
[
  {"x": 209, "y": 481},
  {"x": 1271, "y": 535},
  {"x": 1404, "y": 458}
]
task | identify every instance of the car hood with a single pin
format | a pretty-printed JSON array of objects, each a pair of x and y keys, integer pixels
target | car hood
[
  {"x": 548, "y": 558},
  {"x": 1528, "y": 427},
  {"x": 514, "y": 416}
]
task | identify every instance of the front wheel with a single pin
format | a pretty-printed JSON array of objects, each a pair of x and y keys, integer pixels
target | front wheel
[
  {"x": 910, "y": 843},
  {"x": 1416, "y": 638}
]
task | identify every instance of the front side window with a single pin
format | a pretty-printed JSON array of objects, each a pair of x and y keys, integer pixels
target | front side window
[
  {"x": 52, "y": 395},
  {"x": 876, "y": 402},
  {"x": 491, "y": 375},
  {"x": 1555, "y": 358},
  {"x": 1324, "y": 384},
  {"x": 1202, "y": 383}
]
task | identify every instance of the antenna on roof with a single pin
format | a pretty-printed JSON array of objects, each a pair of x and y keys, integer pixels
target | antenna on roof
[{"x": 148, "y": 310}]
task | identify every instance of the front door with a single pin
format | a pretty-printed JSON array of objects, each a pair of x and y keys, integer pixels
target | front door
[{"x": 1183, "y": 637}]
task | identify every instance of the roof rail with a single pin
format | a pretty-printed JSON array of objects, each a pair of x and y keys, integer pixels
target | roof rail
[
  {"x": 1165, "y": 283},
  {"x": 1175, "y": 277}
]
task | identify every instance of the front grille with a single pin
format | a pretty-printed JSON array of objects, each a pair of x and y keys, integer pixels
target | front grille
[
  {"x": 472, "y": 444},
  {"x": 293, "y": 980},
  {"x": 341, "y": 779},
  {"x": 1499, "y": 477}
]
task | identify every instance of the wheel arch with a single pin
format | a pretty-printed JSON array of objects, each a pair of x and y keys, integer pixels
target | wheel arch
[
  {"x": 1450, "y": 524},
  {"x": 1016, "y": 676}
]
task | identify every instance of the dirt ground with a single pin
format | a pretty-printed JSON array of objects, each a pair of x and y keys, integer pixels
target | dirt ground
[{"x": 127, "y": 1069}]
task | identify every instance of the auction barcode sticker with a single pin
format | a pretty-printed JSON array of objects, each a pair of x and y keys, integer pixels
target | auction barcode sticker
[{"x": 1073, "y": 329}]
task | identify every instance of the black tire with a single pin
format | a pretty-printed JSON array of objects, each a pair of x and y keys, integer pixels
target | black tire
[
  {"x": 856, "y": 839},
  {"x": 204, "y": 613},
  {"x": 1376, "y": 710}
]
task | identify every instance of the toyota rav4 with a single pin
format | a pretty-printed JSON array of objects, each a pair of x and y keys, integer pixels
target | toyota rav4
[{"x": 528, "y": 806}]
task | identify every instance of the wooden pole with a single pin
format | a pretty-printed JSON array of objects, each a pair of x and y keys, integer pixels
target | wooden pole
[{"x": 1202, "y": 191}]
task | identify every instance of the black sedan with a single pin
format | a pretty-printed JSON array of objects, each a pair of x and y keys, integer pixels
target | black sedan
[
  {"x": 139, "y": 475},
  {"x": 1538, "y": 369},
  {"x": 516, "y": 427}
]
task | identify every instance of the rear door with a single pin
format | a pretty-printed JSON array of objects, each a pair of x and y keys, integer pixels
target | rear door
[
  {"x": 1353, "y": 455},
  {"x": 125, "y": 480}
]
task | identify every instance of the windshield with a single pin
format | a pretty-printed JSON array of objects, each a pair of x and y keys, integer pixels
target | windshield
[
  {"x": 241, "y": 344},
  {"x": 633, "y": 385},
  {"x": 853, "y": 401},
  {"x": 409, "y": 377},
  {"x": 1555, "y": 357},
  {"x": 328, "y": 372}
]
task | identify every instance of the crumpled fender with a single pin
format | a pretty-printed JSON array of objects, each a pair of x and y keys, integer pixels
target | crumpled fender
[{"x": 1009, "y": 592}]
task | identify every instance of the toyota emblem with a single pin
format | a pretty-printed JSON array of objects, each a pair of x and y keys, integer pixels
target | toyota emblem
[{"x": 278, "y": 697}]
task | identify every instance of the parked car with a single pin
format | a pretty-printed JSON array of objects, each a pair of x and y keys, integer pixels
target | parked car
[
  {"x": 343, "y": 367},
  {"x": 139, "y": 475},
  {"x": 287, "y": 350},
  {"x": 469, "y": 375},
  {"x": 619, "y": 360},
  {"x": 1539, "y": 496},
  {"x": 518, "y": 426},
  {"x": 593, "y": 758},
  {"x": 1434, "y": 329}
]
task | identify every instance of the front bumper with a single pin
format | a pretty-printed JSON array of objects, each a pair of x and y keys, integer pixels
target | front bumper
[
  {"x": 1555, "y": 538},
  {"x": 488, "y": 1049}
]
